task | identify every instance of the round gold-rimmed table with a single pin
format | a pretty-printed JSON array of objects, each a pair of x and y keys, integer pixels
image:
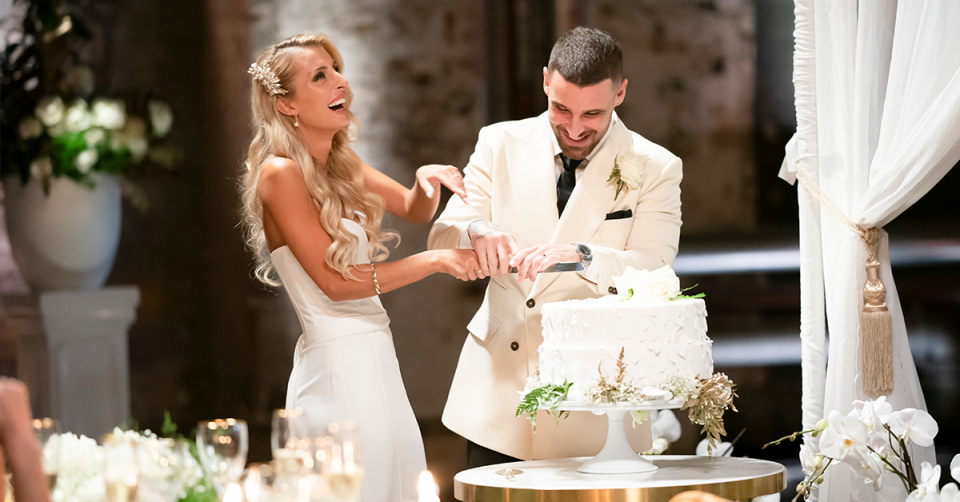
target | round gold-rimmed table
[{"x": 558, "y": 481}]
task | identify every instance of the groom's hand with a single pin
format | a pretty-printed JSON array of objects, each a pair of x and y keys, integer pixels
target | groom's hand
[
  {"x": 494, "y": 247},
  {"x": 533, "y": 260}
]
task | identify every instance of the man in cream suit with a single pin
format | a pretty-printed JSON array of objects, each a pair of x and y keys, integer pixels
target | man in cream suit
[{"x": 538, "y": 194}]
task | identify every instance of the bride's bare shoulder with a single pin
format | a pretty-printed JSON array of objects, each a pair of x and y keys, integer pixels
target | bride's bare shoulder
[{"x": 279, "y": 175}]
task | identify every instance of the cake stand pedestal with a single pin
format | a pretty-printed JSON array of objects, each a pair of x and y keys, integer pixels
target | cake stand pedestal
[{"x": 617, "y": 457}]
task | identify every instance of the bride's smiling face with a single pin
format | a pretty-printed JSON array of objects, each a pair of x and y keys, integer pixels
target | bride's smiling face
[{"x": 321, "y": 94}]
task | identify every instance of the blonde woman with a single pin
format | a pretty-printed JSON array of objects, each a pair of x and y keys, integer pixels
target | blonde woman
[{"x": 312, "y": 212}]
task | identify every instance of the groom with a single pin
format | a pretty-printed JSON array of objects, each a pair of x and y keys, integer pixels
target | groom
[{"x": 540, "y": 193}]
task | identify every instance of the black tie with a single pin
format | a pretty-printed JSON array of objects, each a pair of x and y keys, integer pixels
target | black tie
[{"x": 567, "y": 181}]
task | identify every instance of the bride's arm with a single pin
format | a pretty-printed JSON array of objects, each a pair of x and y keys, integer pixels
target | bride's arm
[
  {"x": 288, "y": 208},
  {"x": 417, "y": 204}
]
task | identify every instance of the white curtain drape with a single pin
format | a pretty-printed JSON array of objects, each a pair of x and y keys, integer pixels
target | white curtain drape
[{"x": 878, "y": 124}]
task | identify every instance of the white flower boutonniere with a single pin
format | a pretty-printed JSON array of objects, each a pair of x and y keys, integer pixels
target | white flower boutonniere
[{"x": 627, "y": 172}]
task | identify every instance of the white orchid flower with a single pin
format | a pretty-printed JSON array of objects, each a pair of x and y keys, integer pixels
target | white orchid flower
[
  {"x": 928, "y": 485},
  {"x": 955, "y": 467},
  {"x": 873, "y": 414},
  {"x": 950, "y": 493},
  {"x": 808, "y": 460},
  {"x": 843, "y": 435},
  {"x": 913, "y": 425}
]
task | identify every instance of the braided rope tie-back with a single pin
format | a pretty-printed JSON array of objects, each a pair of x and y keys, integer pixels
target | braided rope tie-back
[{"x": 875, "y": 320}]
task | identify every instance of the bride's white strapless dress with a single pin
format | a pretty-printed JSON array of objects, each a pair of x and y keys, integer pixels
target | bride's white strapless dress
[{"x": 345, "y": 368}]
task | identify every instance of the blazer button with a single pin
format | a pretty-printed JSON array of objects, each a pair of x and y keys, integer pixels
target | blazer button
[
  {"x": 612, "y": 290},
  {"x": 531, "y": 303},
  {"x": 514, "y": 346}
]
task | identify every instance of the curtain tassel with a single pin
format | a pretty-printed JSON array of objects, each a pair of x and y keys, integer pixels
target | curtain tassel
[{"x": 876, "y": 324}]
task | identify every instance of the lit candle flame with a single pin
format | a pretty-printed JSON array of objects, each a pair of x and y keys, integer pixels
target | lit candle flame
[
  {"x": 252, "y": 483},
  {"x": 427, "y": 489},
  {"x": 233, "y": 493}
]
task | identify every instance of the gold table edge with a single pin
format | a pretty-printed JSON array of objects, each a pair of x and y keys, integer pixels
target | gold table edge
[{"x": 733, "y": 490}]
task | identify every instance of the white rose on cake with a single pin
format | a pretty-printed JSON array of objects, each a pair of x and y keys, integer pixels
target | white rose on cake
[{"x": 661, "y": 284}]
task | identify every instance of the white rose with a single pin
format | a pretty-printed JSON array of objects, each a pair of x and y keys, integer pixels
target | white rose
[
  {"x": 161, "y": 117},
  {"x": 30, "y": 128},
  {"x": 78, "y": 116},
  {"x": 661, "y": 284},
  {"x": 109, "y": 113},
  {"x": 85, "y": 160},
  {"x": 631, "y": 170},
  {"x": 50, "y": 110},
  {"x": 41, "y": 167},
  {"x": 626, "y": 282},
  {"x": 94, "y": 137}
]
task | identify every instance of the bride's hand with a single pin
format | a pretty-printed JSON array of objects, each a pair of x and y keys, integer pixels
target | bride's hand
[
  {"x": 431, "y": 176},
  {"x": 460, "y": 263}
]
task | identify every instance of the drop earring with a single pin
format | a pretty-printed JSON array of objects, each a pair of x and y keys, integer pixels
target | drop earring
[{"x": 296, "y": 121}]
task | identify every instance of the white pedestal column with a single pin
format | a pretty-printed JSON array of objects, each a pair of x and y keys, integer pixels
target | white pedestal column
[{"x": 88, "y": 356}]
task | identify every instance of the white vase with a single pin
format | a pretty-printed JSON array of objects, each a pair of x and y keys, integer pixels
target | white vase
[{"x": 66, "y": 240}]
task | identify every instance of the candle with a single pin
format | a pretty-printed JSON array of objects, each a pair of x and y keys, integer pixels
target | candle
[
  {"x": 233, "y": 493},
  {"x": 427, "y": 489}
]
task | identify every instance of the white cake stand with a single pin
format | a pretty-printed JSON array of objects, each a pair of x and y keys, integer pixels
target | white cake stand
[{"x": 617, "y": 457}]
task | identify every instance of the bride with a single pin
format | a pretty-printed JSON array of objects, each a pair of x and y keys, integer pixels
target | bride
[{"x": 312, "y": 211}]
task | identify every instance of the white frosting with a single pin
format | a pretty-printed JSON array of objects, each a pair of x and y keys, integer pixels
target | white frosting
[{"x": 659, "y": 339}]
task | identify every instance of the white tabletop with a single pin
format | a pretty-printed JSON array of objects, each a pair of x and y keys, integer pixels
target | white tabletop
[{"x": 558, "y": 480}]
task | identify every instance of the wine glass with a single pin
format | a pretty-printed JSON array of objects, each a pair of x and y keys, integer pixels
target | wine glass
[
  {"x": 120, "y": 469},
  {"x": 222, "y": 445},
  {"x": 161, "y": 463},
  {"x": 343, "y": 461},
  {"x": 289, "y": 441},
  {"x": 47, "y": 431}
]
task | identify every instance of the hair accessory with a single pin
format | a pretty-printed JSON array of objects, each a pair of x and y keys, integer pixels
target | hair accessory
[
  {"x": 373, "y": 272},
  {"x": 267, "y": 79}
]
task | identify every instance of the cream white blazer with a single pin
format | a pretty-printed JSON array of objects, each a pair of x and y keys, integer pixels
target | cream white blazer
[{"x": 511, "y": 181}]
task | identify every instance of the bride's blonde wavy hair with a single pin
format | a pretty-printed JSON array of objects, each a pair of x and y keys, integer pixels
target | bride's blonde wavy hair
[{"x": 341, "y": 190}]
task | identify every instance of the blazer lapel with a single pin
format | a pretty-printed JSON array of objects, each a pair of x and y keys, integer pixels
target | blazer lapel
[
  {"x": 533, "y": 178},
  {"x": 590, "y": 201}
]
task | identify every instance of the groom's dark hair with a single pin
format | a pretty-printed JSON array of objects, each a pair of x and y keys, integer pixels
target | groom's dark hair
[{"x": 587, "y": 56}]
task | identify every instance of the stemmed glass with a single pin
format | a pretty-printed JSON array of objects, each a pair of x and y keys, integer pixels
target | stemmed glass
[
  {"x": 161, "y": 464},
  {"x": 120, "y": 469},
  {"x": 47, "y": 431},
  {"x": 222, "y": 445},
  {"x": 343, "y": 461},
  {"x": 289, "y": 442}
]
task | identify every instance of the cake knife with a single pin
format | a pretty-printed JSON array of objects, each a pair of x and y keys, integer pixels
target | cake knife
[{"x": 570, "y": 266}]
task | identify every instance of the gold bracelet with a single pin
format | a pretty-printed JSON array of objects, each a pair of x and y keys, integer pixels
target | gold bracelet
[{"x": 373, "y": 272}]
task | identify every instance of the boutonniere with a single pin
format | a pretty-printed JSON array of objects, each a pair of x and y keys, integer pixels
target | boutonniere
[{"x": 627, "y": 172}]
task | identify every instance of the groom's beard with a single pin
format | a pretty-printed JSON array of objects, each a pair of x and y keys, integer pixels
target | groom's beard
[{"x": 576, "y": 152}]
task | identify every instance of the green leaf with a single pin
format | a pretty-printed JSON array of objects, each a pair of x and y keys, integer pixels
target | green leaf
[{"x": 546, "y": 397}]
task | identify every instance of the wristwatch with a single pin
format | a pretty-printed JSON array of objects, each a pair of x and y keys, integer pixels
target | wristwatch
[{"x": 586, "y": 255}]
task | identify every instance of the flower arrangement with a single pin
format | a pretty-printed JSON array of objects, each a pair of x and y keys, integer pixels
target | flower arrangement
[
  {"x": 53, "y": 124},
  {"x": 80, "y": 477},
  {"x": 706, "y": 398},
  {"x": 660, "y": 284},
  {"x": 873, "y": 440}
]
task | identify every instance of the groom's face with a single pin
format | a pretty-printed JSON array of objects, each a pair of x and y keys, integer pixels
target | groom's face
[{"x": 580, "y": 116}]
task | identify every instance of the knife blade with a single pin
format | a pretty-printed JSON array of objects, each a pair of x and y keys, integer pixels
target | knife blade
[{"x": 570, "y": 266}]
